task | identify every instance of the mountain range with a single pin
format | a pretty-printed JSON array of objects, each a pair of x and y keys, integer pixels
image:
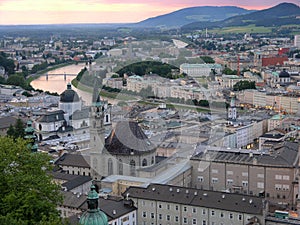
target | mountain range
[
  {"x": 282, "y": 14},
  {"x": 225, "y": 16},
  {"x": 194, "y": 14}
]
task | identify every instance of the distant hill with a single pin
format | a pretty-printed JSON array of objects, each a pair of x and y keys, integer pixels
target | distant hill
[
  {"x": 282, "y": 14},
  {"x": 193, "y": 14}
]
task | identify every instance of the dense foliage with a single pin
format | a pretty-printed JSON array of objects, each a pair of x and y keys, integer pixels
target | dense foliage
[
  {"x": 27, "y": 193},
  {"x": 8, "y": 64},
  {"x": 147, "y": 67},
  {"x": 17, "y": 130},
  {"x": 244, "y": 84}
]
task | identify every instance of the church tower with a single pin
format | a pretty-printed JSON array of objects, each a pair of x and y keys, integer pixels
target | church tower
[
  {"x": 97, "y": 131},
  {"x": 232, "y": 114}
]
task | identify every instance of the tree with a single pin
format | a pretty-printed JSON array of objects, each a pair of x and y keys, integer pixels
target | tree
[
  {"x": 16, "y": 131},
  {"x": 244, "y": 84},
  {"x": 27, "y": 193}
]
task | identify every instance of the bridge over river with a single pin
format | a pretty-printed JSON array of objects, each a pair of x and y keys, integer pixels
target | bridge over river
[{"x": 60, "y": 74}]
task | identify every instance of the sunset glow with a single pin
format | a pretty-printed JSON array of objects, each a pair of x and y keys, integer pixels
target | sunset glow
[{"x": 104, "y": 11}]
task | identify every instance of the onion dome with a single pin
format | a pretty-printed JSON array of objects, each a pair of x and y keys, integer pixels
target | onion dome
[
  {"x": 69, "y": 95},
  {"x": 93, "y": 216}
]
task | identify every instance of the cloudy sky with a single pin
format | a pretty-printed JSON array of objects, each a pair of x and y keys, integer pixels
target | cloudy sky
[{"x": 106, "y": 11}]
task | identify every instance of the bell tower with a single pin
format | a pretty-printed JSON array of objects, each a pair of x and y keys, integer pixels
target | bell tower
[
  {"x": 97, "y": 130},
  {"x": 232, "y": 114}
]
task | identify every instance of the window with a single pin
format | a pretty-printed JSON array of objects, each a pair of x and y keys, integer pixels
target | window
[
  {"x": 194, "y": 221},
  {"x": 144, "y": 214},
  {"x": 278, "y": 187},
  {"x": 203, "y": 222},
  {"x": 260, "y": 185},
  {"x": 278, "y": 177},
  {"x": 221, "y": 214},
  {"x": 132, "y": 168},
  {"x": 230, "y": 216},
  {"x": 214, "y": 171},
  {"x": 240, "y": 217},
  {"x": 176, "y": 207},
  {"x": 200, "y": 179},
  {"x": 194, "y": 210},
  {"x": 159, "y": 206},
  {"x": 110, "y": 167},
  {"x": 260, "y": 175},
  {"x": 160, "y": 216},
  {"x": 168, "y": 217},
  {"x": 203, "y": 212},
  {"x": 214, "y": 180},
  {"x": 245, "y": 174},
  {"x": 229, "y": 181},
  {"x": 212, "y": 212},
  {"x": 185, "y": 220},
  {"x": 229, "y": 172},
  {"x": 152, "y": 215},
  {"x": 184, "y": 208},
  {"x": 285, "y": 177},
  {"x": 120, "y": 167},
  {"x": 168, "y": 207},
  {"x": 245, "y": 183},
  {"x": 285, "y": 187},
  {"x": 144, "y": 163},
  {"x": 176, "y": 218}
]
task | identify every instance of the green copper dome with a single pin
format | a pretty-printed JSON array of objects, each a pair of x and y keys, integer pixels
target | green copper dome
[{"x": 93, "y": 216}]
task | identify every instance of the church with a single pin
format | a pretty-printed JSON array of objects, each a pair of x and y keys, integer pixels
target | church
[
  {"x": 69, "y": 119},
  {"x": 124, "y": 152}
]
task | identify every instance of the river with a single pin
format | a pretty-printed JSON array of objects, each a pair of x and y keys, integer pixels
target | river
[{"x": 59, "y": 84}]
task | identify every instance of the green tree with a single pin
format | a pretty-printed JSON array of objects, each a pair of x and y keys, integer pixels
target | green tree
[
  {"x": 27, "y": 193},
  {"x": 207, "y": 59},
  {"x": 244, "y": 84},
  {"x": 16, "y": 131}
]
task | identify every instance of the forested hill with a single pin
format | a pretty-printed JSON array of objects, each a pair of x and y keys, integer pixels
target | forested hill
[{"x": 282, "y": 14}]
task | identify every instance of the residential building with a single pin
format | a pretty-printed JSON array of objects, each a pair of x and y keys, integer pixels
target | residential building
[
  {"x": 167, "y": 204},
  {"x": 272, "y": 174}
]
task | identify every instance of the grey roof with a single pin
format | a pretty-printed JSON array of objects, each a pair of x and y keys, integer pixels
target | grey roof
[
  {"x": 5, "y": 122},
  {"x": 76, "y": 182},
  {"x": 69, "y": 95},
  {"x": 128, "y": 137},
  {"x": 74, "y": 160},
  {"x": 73, "y": 200},
  {"x": 81, "y": 114},
  {"x": 285, "y": 155},
  {"x": 201, "y": 198},
  {"x": 112, "y": 208},
  {"x": 272, "y": 136},
  {"x": 50, "y": 117}
]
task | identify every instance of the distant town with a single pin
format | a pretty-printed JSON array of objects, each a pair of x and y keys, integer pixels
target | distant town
[{"x": 171, "y": 127}]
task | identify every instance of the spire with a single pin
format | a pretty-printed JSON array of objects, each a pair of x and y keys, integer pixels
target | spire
[
  {"x": 69, "y": 86},
  {"x": 93, "y": 216},
  {"x": 96, "y": 101}
]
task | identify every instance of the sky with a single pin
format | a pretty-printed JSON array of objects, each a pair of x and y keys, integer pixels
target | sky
[{"x": 13, "y": 12}]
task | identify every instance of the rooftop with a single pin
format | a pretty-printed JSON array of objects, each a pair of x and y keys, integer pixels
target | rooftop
[{"x": 201, "y": 198}]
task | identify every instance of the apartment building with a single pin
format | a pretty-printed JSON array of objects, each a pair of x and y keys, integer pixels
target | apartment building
[
  {"x": 199, "y": 70},
  {"x": 160, "y": 204},
  {"x": 272, "y": 174}
]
